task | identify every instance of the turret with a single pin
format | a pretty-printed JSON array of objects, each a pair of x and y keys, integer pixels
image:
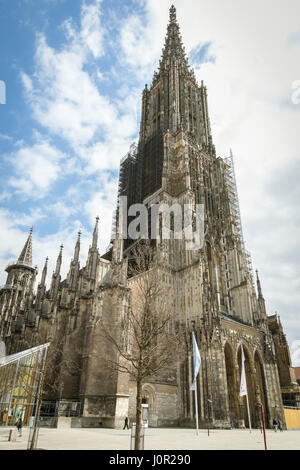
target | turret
[{"x": 17, "y": 293}]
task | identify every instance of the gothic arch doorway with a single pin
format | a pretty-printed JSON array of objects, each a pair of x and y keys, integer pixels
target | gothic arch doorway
[
  {"x": 232, "y": 393},
  {"x": 250, "y": 389},
  {"x": 261, "y": 392},
  {"x": 149, "y": 398}
]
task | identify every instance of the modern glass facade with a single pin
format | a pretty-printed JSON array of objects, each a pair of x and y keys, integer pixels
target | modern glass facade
[{"x": 21, "y": 376}]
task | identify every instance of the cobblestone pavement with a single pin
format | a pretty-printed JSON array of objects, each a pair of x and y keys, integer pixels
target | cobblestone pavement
[{"x": 156, "y": 439}]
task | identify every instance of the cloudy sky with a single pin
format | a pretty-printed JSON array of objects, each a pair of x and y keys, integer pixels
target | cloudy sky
[{"x": 74, "y": 71}]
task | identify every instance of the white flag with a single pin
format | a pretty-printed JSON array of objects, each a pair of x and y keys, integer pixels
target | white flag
[
  {"x": 197, "y": 362},
  {"x": 243, "y": 386}
]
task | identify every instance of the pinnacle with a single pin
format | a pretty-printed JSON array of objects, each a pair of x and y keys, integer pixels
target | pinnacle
[
  {"x": 95, "y": 233},
  {"x": 172, "y": 13}
]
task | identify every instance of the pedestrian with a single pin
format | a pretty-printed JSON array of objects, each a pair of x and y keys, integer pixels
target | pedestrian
[
  {"x": 19, "y": 425},
  {"x": 126, "y": 423},
  {"x": 279, "y": 426},
  {"x": 275, "y": 424}
]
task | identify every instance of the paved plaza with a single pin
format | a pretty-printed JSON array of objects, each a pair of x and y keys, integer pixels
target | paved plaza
[{"x": 156, "y": 439}]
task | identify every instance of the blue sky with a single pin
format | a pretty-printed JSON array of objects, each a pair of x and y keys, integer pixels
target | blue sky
[{"x": 74, "y": 72}]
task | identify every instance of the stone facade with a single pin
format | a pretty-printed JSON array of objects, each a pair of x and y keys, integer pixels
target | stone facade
[{"x": 211, "y": 289}]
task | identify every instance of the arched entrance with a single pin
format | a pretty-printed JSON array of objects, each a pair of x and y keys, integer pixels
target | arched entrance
[
  {"x": 148, "y": 398},
  {"x": 232, "y": 394},
  {"x": 250, "y": 390}
]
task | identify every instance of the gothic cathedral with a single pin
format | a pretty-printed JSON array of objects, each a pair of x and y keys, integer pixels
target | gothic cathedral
[{"x": 211, "y": 289}]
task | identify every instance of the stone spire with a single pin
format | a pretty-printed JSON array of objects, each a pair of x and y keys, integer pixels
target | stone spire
[
  {"x": 42, "y": 287},
  {"x": 26, "y": 254},
  {"x": 117, "y": 254},
  {"x": 173, "y": 48},
  {"x": 95, "y": 234},
  {"x": 59, "y": 260},
  {"x": 56, "y": 276},
  {"x": 261, "y": 300},
  {"x": 44, "y": 273},
  {"x": 74, "y": 266},
  {"x": 77, "y": 248},
  {"x": 259, "y": 290},
  {"x": 92, "y": 260}
]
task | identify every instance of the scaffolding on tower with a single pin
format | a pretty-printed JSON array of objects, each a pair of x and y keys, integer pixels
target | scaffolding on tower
[{"x": 235, "y": 205}]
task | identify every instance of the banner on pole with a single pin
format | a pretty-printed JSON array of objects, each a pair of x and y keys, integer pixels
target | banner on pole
[
  {"x": 243, "y": 385},
  {"x": 197, "y": 362}
]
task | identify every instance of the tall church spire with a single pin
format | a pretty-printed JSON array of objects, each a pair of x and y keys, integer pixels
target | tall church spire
[
  {"x": 173, "y": 48},
  {"x": 26, "y": 254}
]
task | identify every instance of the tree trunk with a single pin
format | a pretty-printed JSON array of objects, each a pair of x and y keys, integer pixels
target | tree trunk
[{"x": 138, "y": 415}]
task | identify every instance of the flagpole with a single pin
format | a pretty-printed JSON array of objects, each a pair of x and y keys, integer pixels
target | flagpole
[
  {"x": 249, "y": 419},
  {"x": 243, "y": 385},
  {"x": 197, "y": 362},
  {"x": 196, "y": 406}
]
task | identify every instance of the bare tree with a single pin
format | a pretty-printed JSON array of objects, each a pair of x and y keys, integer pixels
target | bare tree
[{"x": 149, "y": 343}]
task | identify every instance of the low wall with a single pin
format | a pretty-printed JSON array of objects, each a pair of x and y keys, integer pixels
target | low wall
[{"x": 292, "y": 418}]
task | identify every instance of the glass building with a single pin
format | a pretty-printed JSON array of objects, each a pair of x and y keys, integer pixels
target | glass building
[{"x": 21, "y": 379}]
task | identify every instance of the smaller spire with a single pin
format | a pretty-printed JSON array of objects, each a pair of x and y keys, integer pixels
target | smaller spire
[
  {"x": 26, "y": 254},
  {"x": 44, "y": 273},
  {"x": 118, "y": 242},
  {"x": 95, "y": 234},
  {"x": 77, "y": 248},
  {"x": 258, "y": 285},
  {"x": 59, "y": 260}
]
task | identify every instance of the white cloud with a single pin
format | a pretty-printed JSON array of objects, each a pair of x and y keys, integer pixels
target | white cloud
[
  {"x": 64, "y": 95},
  {"x": 36, "y": 168},
  {"x": 91, "y": 31}
]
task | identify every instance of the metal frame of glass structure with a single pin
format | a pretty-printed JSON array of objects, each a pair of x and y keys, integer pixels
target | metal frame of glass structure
[{"x": 20, "y": 384}]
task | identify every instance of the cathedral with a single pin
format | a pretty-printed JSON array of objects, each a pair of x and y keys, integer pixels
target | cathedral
[{"x": 211, "y": 288}]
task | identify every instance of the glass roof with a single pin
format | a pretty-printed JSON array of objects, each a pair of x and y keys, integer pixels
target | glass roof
[{"x": 15, "y": 357}]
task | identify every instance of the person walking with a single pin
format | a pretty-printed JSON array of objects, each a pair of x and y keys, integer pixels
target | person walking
[
  {"x": 275, "y": 424},
  {"x": 279, "y": 426},
  {"x": 126, "y": 423},
  {"x": 19, "y": 426}
]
